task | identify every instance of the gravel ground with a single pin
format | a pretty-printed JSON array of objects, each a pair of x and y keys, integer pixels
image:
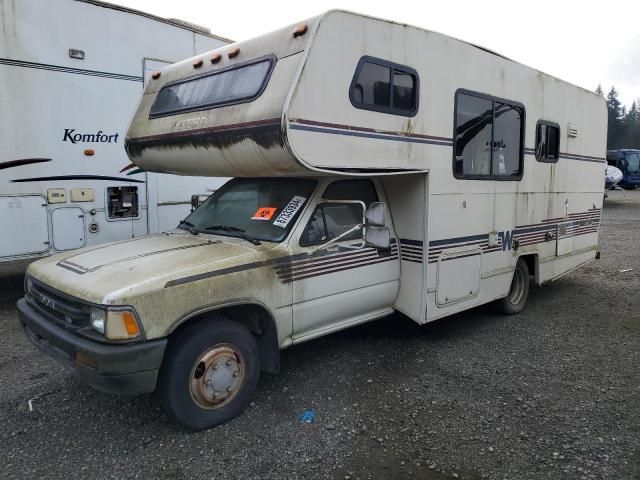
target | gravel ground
[{"x": 552, "y": 393}]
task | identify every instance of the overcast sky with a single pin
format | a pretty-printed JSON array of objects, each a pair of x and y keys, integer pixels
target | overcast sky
[{"x": 585, "y": 43}]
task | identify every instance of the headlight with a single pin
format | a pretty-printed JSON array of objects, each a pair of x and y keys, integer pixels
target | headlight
[
  {"x": 120, "y": 324},
  {"x": 98, "y": 317}
]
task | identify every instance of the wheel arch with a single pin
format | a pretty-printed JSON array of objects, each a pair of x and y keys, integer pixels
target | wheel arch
[
  {"x": 255, "y": 316},
  {"x": 532, "y": 260}
]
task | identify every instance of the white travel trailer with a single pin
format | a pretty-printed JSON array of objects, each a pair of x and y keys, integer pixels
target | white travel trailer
[
  {"x": 71, "y": 73},
  {"x": 379, "y": 167}
]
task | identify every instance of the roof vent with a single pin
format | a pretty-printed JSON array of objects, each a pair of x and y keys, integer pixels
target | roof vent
[{"x": 191, "y": 26}]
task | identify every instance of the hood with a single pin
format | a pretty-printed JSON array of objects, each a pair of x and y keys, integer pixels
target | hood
[{"x": 101, "y": 274}]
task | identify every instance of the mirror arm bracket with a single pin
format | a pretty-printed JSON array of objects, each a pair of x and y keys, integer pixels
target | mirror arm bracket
[{"x": 338, "y": 238}]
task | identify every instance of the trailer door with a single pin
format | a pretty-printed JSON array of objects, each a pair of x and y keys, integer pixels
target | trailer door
[
  {"x": 24, "y": 221},
  {"x": 68, "y": 228}
]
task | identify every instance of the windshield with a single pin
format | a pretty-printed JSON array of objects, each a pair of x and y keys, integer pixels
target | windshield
[
  {"x": 258, "y": 208},
  {"x": 632, "y": 163}
]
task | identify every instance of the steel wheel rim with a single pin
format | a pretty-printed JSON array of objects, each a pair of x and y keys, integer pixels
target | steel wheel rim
[
  {"x": 517, "y": 287},
  {"x": 217, "y": 376}
]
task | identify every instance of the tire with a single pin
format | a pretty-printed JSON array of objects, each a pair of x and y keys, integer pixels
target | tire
[
  {"x": 517, "y": 297},
  {"x": 209, "y": 374}
]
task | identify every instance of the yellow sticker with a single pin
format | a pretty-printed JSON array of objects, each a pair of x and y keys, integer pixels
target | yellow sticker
[{"x": 264, "y": 213}]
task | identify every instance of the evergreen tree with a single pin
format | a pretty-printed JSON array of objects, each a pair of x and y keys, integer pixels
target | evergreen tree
[
  {"x": 615, "y": 118},
  {"x": 630, "y": 137},
  {"x": 624, "y": 124},
  {"x": 634, "y": 113}
]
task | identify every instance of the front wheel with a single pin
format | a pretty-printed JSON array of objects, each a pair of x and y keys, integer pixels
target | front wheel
[
  {"x": 514, "y": 302},
  {"x": 211, "y": 370}
]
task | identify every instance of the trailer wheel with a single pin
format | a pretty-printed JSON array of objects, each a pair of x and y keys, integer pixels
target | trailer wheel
[
  {"x": 514, "y": 302},
  {"x": 211, "y": 370}
]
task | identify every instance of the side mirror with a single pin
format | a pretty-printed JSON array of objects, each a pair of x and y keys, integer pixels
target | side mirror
[
  {"x": 376, "y": 214},
  {"x": 195, "y": 202},
  {"x": 377, "y": 237}
]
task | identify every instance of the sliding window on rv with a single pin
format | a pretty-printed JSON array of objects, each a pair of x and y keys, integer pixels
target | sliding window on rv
[
  {"x": 489, "y": 137},
  {"x": 385, "y": 87},
  {"x": 237, "y": 84}
]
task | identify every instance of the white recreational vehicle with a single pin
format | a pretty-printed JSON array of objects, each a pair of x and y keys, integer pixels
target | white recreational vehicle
[
  {"x": 379, "y": 167},
  {"x": 71, "y": 73}
]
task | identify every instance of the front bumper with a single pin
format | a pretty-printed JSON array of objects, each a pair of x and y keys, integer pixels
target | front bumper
[{"x": 128, "y": 369}]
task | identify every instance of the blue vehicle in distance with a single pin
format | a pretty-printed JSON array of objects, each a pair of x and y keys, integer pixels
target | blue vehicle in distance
[{"x": 628, "y": 161}]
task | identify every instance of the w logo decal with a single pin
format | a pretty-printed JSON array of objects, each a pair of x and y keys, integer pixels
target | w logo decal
[{"x": 507, "y": 239}]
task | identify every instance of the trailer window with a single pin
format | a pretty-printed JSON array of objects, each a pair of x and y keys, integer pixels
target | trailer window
[
  {"x": 488, "y": 141},
  {"x": 547, "y": 142},
  {"x": 385, "y": 87},
  {"x": 224, "y": 87}
]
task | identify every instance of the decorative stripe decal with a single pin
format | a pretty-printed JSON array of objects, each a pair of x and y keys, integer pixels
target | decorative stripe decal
[
  {"x": 302, "y": 266},
  {"x": 574, "y": 224},
  {"x": 353, "y": 131},
  {"x": 76, "y": 177},
  {"x": 74, "y": 267},
  {"x": 77, "y": 71},
  {"x": 411, "y": 250},
  {"x": 234, "y": 128},
  {"x": 299, "y": 270},
  {"x": 23, "y": 161},
  {"x": 569, "y": 156}
]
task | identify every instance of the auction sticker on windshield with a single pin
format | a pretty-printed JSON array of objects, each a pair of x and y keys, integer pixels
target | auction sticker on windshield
[
  {"x": 264, "y": 213},
  {"x": 289, "y": 211}
]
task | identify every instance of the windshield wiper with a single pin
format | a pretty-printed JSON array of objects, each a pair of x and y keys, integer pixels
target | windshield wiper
[
  {"x": 191, "y": 228},
  {"x": 240, "y": 231}
]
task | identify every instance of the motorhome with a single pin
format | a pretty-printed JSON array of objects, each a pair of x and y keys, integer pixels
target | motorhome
[
  {"x": 378, "y": 167},
  {"x": 627, "y": 160},
  {"x": 71, "y": 74}
]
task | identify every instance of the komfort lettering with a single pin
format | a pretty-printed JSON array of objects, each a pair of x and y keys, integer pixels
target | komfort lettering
[{"x": 70, "y": 135}]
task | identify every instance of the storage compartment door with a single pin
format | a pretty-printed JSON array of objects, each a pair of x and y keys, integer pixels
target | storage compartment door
[
  {"x": 24, "y": 223},
  {"x": 68, "y": 228},
  {"x": 458, "y": 275}
]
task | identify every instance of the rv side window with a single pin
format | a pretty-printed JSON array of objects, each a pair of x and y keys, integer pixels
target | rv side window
[
  {"x": 488, "y": 141},
  {"x": 122, "y": 202},
  {"x": 547, "y": 142},
  {"x": 230, "y": 86},
  {"x": 385, "y": 87}
]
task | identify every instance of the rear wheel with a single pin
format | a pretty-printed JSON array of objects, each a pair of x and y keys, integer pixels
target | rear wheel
[
  {"x": 211, "y": 370},
  {"x": 514, "y": 302}
]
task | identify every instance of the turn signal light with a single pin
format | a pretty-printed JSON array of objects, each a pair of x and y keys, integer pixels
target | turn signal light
[
  {"x": 130, "y": 323},
  {"x": 89, "y": 152}
]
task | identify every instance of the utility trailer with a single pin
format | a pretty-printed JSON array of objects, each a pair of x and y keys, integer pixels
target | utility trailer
[
  {"x": 71, "y": 72},
  {"x": 379, "y": 167}
]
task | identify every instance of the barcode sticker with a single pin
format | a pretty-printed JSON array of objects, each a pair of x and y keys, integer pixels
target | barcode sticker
[{"x": 289, "y": 211}]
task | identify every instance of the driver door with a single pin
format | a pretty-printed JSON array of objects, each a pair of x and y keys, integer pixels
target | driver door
[{"x": 342, "y": 284}]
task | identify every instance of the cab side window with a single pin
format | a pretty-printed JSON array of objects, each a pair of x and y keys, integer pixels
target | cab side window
[{"x": 332, "y": 219}]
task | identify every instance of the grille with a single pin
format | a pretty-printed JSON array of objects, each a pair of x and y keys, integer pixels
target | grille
[{"x": 58, "y": 307}]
